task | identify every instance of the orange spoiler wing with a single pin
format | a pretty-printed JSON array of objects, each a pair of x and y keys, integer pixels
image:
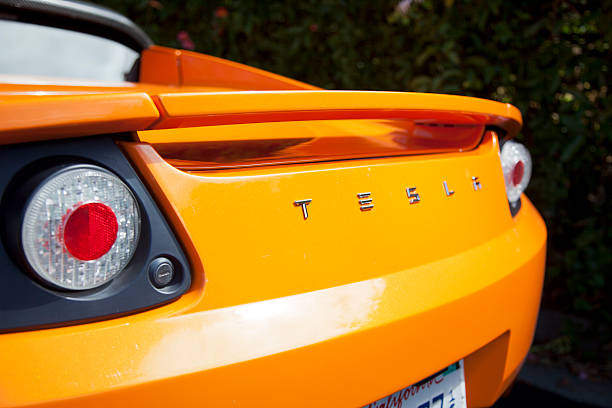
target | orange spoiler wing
[
  {"x": 31, "y": 117},
  {"x": 202, "y": 109}
]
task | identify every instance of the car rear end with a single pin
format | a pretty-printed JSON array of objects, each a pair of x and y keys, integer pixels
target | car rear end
[{"x": 340, "y": 247}]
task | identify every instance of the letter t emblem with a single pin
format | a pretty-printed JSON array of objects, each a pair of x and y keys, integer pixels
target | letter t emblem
[{"x": 303, "y": 204}]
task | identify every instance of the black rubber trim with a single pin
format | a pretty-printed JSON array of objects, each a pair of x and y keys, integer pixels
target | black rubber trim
[
  {"x": 77, "y": 16},
  {"x": 515, "y": 207},
  {"x": 28, "y": 303}
]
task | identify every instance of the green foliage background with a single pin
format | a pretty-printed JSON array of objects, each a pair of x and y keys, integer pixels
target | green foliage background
[{"x": 549, "y": 58}]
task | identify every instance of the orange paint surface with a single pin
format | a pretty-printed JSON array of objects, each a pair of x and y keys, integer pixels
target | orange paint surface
[
  {"x": 161, "y": 65},
  {"x": 344, "y": 307},
  {"x": 227, "y": 211},
  {"x": 296, "y": 350},
  {"x": 199, "y": 69}
]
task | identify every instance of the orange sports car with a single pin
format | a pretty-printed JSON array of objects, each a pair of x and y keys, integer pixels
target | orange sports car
[{"x": 182, "y": 230}]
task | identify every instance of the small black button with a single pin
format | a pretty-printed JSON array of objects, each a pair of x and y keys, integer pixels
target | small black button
[{"x": 161, "y": 272}]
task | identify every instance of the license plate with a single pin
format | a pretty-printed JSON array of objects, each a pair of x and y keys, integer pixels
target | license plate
[{"x": 445, "y": 389}]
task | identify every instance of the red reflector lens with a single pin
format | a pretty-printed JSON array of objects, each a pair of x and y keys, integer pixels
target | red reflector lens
[
  {"x": 517, "y": 173},
  {"x": 90, "y": 231}
]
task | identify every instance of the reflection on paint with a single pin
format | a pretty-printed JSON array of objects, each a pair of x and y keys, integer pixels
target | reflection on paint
[
  {"x": 260, "y": 329},
  {"x": 226, "y": 146}
]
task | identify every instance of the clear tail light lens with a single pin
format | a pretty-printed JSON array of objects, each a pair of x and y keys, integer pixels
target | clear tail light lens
[
  {"x": 80, "y": 228},
  {"x": 516, "y": 165}
]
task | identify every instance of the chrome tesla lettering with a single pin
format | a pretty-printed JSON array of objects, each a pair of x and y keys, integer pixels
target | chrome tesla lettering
[
  {"x": 476, "y": 184},
  {"x": 303, "y": 204},
  {"x": 413, "y": 195},
  {"x": 447, "y": 190},
  {"x": 365, "y": 203}
]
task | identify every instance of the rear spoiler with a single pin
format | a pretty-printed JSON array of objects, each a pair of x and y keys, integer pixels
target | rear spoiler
[
  {"x": 31, "y": 117},
  {"x": 180, "y": 110},
  {"x": 365, "y": 125}
]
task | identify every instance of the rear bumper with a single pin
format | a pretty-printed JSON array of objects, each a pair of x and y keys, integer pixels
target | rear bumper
[{"x": 344, "y": 346}]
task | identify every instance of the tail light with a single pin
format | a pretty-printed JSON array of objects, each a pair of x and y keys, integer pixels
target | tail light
[
  {"x": 516, "y": 165},
  {"x": 80, "y": 242},
  {"x": 80, "y": 228}
]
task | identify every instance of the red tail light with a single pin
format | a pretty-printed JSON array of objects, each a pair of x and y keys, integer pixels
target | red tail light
[{"x": 518, "y": 172}]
